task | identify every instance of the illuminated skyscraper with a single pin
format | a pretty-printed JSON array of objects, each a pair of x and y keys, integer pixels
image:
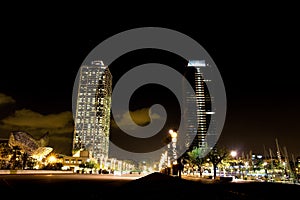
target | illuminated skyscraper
[
  {"x": 203, "y": 112},
  {"x": 92, "y": 118}
]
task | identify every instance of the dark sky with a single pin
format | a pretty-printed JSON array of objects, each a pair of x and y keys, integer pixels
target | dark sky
[{"x": 257, "y": 59}]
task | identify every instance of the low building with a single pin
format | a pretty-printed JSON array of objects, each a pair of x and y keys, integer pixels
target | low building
[{"x": 73, "y": 162}]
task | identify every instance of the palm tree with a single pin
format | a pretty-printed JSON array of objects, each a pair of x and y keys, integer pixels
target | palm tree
[
  {"x": 16, "y": 157},
  {"x": 24, "y": 160},
  {"x": 5, "y": 153}
]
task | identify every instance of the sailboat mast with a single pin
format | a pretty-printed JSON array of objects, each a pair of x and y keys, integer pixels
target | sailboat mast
[
  {"x": 271, "y": 160},
  {"x": 288, "y": 166},
  {"x": 278, "y": 151}
]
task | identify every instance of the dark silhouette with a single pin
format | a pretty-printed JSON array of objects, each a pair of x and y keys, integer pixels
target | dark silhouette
[{"x": 215, "y": 156}]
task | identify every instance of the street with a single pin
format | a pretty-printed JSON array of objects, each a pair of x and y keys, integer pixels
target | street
[
  {"x": 58, "y": 186},
  {"x": 135, "y": 186}
]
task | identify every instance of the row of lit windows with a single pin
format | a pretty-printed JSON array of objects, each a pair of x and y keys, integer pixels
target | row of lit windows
[
  {"x": 91, "y": 72},
  {"x": 90, "y": 138},
  {"x": 87, "y": 108},
  {"x": 73, "y": 161},
  {"x": 86, "y": 99},
  {"x": 83, "y": 113},
  {"x": 94, "y": 133},
  {"x": 87, "y": 120}
]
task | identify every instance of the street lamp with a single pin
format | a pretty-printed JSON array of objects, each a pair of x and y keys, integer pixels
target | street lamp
[
  {"x": 174, "y": 141},
  {"x": 173, "y": 135},
  {"x": 233, "y": 154}
]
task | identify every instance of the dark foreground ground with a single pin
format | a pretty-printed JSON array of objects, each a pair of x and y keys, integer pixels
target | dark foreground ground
[
  {"x": 153, "y": 186},
  {"x": 159, "y": 186}
]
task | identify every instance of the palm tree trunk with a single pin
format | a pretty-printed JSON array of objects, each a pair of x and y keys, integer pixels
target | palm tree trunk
[
  {"x": 215, "y": 171},
  {"x": 200, "y": 170}
]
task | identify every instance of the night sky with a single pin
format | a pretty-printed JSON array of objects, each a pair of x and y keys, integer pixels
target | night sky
[{"x": 257, "y": 59}]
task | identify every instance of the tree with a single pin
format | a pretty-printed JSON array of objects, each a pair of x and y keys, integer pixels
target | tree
[
  {"x": 215, "y": 156},
  {"x": 24, "y": 160},
  {"x": 5, "y": 154},
  {"x": 16, "y": 157},
  {"x": 180, "y": 166},
  {"x": 88, "y": 165},
  {"x": 195, "y": 157},
  {"x": 53, "y": 166}
]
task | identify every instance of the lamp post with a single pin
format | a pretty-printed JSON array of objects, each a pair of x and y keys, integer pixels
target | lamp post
[
  {"x": 173, "y": 135},
  {"x": 233, "y": 155},
  {"x": 174, "y": 141}
]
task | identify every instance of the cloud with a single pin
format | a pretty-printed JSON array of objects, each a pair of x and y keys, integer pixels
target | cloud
[
  {"x": 141, "y": 117},
  {"x": 7, "y": 105},
  {"x": 29, "y": 118},
  {"x": 61, "y": 144},
  {"x": 4, "y": 99},
  {"x": 59, "y": 125}
]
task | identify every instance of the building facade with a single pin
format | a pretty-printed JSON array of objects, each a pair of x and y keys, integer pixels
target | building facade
[
  {"x": 92, "y": 118},
  {"x": 203, "y": 111}
]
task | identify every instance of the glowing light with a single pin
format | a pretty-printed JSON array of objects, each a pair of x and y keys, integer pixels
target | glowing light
[
  {"x": 51, "y": 159},
  {"x": 174, "y": 141},
  {"x": 233, "y": 153},
  {"x": 196, "y": 63},
  {"x": 173, "y": 133}
]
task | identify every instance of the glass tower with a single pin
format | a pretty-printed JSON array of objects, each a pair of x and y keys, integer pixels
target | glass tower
[
  {"x": 203, "y": 112},
  {"x": 92, "y": 118}
]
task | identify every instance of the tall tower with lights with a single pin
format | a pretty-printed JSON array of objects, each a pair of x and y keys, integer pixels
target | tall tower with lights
[
  {"x": 203, "y": 104},
  {"x": 92, "y": 118}
]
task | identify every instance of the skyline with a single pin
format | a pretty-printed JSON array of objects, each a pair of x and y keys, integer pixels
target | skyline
[{"x": 262, "y": 95}]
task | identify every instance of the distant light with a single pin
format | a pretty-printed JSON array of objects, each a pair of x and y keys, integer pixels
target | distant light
[
  {"x": 233, "y": 153},
  {"x": 259, "y": 156},
  {"x": 173, "y": 133},
  {"x": 52, "y": 159},
  {"x": 196, "y": 63},
  {"x": 98, "y": 62}
]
